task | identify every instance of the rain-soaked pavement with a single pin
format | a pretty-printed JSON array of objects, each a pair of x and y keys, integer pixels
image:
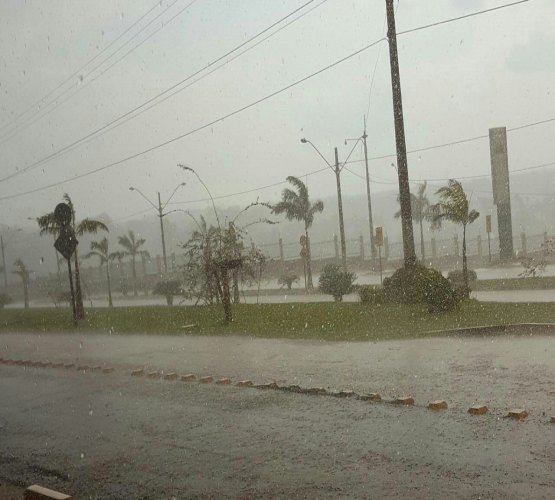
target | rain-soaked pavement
[{"x": 118, "y": 436}]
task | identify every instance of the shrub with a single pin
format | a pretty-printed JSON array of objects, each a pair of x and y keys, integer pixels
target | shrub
[
  {"x": 420, "y": 285},
  {"x": 288, "y": 280},
  {"x": 371, "y": 295},
  {"x": 335, "y": 282},
  {"x": 456, "y": 277},
  {"x": 5, "y": 299},
  {"x": 168, "y": 289}
]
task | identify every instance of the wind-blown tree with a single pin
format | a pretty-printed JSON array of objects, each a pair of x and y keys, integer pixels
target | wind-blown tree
[
  {"x": 49, "y": 225},
  {"x": 22, "y": 271},
  {"x": 100, "y": 249},
  {"x": 296, "y": 205},
  {"x": 454, "y": 207},
  {"x": 132, "y": 247},
  {"x": 421, "y": 210}
]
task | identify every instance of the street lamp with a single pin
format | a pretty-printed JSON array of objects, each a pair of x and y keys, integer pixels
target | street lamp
[
  {"x": 337, "y": 170},
  {"x": 160, "y": 209},
  {"x": 370, "y": 220}
]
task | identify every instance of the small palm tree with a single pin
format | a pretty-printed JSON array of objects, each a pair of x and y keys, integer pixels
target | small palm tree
[
  {"x": 49, "y": 225},
  {"x": 296, "y": 205},
  {"x": 421, "y": 210},
  {"x": 23, "y": 273},
  {"x": 132, "y": 248},
  {"x": 100, "y": 249},
  {"x": 454, "y": 207}
]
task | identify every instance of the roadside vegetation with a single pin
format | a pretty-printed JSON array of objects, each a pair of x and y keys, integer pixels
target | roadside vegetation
[{"x": 322, "y": 321}]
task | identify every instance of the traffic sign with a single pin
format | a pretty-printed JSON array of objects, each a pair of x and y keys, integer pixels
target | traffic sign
[
  {"x": 66, "y": 243},
  {"x": 62, "y": 214}
]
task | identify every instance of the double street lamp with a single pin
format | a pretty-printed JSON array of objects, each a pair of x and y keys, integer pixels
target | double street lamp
[{"x": 160, "y": 209}]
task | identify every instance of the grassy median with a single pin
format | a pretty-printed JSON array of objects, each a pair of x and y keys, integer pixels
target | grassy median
[{"x": 326, "y": 321}]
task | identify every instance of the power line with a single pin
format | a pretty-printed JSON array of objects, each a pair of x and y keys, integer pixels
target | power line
[
  {"x": 76, "y": 72},
  {"x": 129, "y": 114},
  {"x": 45, "y": 111},
  {"x": 209, "y": 124},
  {"x": 466, "y": 16},
  {"x": 195, "y": 130}
]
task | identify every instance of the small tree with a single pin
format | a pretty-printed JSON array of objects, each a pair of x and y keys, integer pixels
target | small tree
[
  {"x": 100, "y": 249},
  {"x": 336, "y": 282},
  {"x": 168, "y": 289},
  {"x": 23, "y": 273},
  {"x": 534, "y": 266},
  {"x": 132, "y": 247},
  {"x": 288, "y": 280},
  {"x": 454, "y": 207}
]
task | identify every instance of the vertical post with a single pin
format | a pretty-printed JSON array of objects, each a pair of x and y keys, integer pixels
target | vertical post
[
  {"x": 72, "y": 292},
  {"x": 402, "y": 168},
  {"x": 456, "y": 245},
  {"x": 386, "y": 247},
  {"x": 5, "y": 271},
  {"x": 370, "y": 220},
  {"x": 380, "y": 259},
  {"x": 161, "y": 215},
  {"x": 337, "y": 171},
  {"x": 489, "y": 247}
]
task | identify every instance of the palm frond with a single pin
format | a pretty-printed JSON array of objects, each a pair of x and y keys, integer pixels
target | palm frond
[{"x": 90, "y": 226}]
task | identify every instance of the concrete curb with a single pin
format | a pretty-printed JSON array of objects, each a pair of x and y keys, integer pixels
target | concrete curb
[{"x": 514, "y": 327}]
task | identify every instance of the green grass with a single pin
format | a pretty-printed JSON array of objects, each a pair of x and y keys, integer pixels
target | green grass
[
  {"x": 530, "y": 283},
  {"x": 327, "y": 321}
]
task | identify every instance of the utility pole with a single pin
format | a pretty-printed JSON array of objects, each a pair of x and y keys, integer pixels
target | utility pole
[
  {"x": 4, "y": 263},
  {"x": 402, "y": 169},
  {"x": 161, "y": 216},
  {"x": 370, "y": 220},
  {"x": 337, "y": 171}
]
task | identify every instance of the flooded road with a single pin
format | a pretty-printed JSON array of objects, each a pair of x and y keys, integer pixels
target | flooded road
[{"x": 115, "y": 436}]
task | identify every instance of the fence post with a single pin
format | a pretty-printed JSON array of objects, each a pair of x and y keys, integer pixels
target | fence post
[
  {"x": 523, "y": 242},
  {"x": 336, "y": 246},
  {"x": 159, "y": 264},
  {"x": 361, "y": 244},
  {"x": 386, "y": 247},
  {"x": 479, "y": 245}
]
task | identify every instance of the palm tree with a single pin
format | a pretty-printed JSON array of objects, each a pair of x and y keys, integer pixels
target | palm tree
[
  {"x": 23, "y": 273},
  {"x": 454, "y": 207},
  {"x": 100, "y": 249},
  {"x": 296, "y": 205},
  {"x": 421, "y": 210},
  {"x": 49, "y": 225},
  {"x": 132, "y": 248}
]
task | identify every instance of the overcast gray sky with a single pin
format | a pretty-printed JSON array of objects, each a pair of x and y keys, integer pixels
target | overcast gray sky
[{"x": 458, "y": 79}]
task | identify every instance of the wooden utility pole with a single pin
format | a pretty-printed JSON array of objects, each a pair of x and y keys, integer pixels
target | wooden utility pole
[{"x": 402, "y": 169}]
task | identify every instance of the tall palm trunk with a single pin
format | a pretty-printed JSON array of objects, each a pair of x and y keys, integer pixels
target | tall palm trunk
[
  {"x": 134, "y": 271},
  {"x": 422, "y": 251},
  {"x": 79, "y": 307},
  {"x": 465, "y": 266},
  {"x": 110, "y": 303},
  {"x": 309, "y": 284}
]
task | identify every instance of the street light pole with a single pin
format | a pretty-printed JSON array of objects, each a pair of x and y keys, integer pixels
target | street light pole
[
  {"x": 337, "y": 171},
  {"x": 161, "y": 215},
  {"x": 370, "y": 219},
  {"x": 160, "y": 210},
  {"x": 4, "y": 263},
  {"x": 402, "y": 169}
]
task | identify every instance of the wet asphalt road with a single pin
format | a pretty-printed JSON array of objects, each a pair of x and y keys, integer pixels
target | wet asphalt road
[{"x": 114, "y": 436}]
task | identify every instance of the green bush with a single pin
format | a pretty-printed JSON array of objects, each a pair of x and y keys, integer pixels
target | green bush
[
  {"x": 288, "y": 280},
  {"x": 420, "y": 285},
  {"x": 371, "y": 295},
  {"x": 335, "y": 282},
  {"x": 168, "y": 289},
  {"x": 457, "y": 276},
  {"x": 5, "y": 299}
]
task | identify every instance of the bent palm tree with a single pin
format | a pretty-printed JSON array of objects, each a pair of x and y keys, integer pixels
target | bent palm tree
[
  {"x": 23, "y": 273},
  {"x": 454, "y": 207},
  {"x": 49, "y": 225},
  {"x": 100, "y": 249},
  {"x": 132, "y": 248},
  {"x": 296, "y": 205},
  {"x": 421, "y": 210}
]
